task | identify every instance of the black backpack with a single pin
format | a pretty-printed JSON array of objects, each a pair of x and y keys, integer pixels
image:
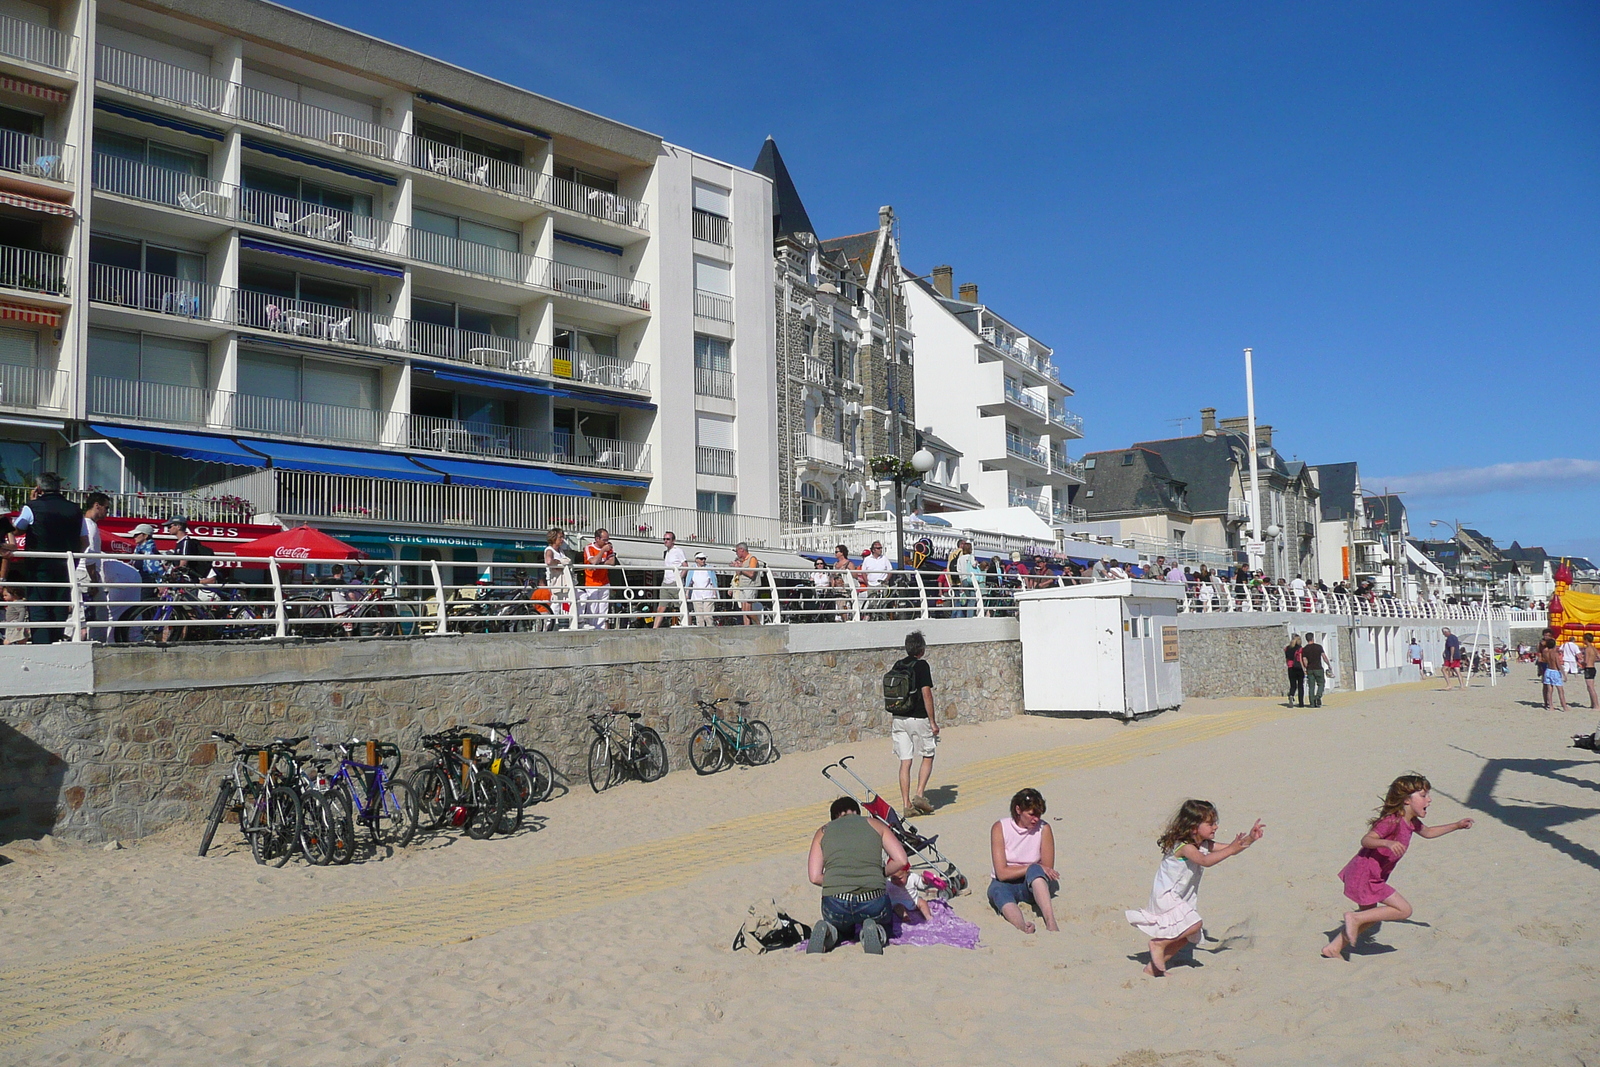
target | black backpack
[
  {"x": 784, "y": 932},
  {"x": 900, "y": 687}
]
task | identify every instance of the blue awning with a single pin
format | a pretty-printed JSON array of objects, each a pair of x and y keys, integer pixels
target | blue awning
[
  {"x": 140, "y": 115},
  {"x": 275, "y": 248},
  {"x": 523, "y": 385},
  {"x": 584, "y": 242},
  {"x": 317, "y": 161},
  {"x": 630, "y": 483},
  {"x": 505, "y": 476},
  {"x": 285, "y": 456},
  {"x": 484, "y": 115},
  {"x": 201, "y": 447}
]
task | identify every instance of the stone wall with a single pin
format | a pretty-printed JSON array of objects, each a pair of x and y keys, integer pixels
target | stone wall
[
  {"x": 135, "y": 756},
  {"x": 1233, "y": 661}
]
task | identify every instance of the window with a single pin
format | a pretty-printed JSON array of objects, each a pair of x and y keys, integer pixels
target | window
[
  {"x": 1088, "y": 464},
  {"x": 462, "y": 317},
  {"x": 299, "y": 396},
  {"x": 20, "y": 462},
  {"x": 712, "y": 200},
  {"x": 291, "y": 285},
  {"x": 712, "y": 277},
  {"x": 573, "y": 422},
  {"x": 1088, "y": 492},
  {"x": 134, "y": 255},
  {"x": 714, "y": 431},
  {"x": 813, "y": 506},
  {"x": 480, "y": 411},
  {"x": 146, "y": 376},
  {"x": 22, "y": 122},
  {"x": 255, "y": 179},
  {"x": 465, "y": 230},
  {"x": 720, "y": 503},
  {"x": 1127, "y": 459},
  {"x": 713, "y": 367},
  {"x": 468, "y": 143},
  {"x": 155, "y": 153},
  {"x": 585, "y": 178}
]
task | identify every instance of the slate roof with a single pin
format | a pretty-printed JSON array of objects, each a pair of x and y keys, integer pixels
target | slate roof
[
  {"x": 788, "y": 213},
  {"x": 1379, "y": 507},
  {"x": 857, "y": 248},
  {"x": 1121, "y": 488},
  {"x": 1338, "y": 484},
  {"x": 1205, "y": 465}
]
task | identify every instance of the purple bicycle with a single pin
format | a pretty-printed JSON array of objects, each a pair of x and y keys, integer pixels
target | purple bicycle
[{"x": 541, "y": 780}]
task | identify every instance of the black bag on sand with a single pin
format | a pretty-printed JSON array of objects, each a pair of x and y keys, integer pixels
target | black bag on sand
[{"x": 768, "y": 929}]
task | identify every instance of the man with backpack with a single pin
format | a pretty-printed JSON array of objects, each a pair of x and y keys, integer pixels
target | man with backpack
[{"x": 908, "y": 698}]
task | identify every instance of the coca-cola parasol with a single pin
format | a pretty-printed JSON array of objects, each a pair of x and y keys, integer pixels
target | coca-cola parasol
[{"x": 301, "y": 545}]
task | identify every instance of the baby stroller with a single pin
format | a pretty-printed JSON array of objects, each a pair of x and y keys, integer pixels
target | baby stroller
[{"x": 923, "y": 852}]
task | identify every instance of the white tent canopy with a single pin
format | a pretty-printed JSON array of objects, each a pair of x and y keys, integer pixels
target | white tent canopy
[{"x": 1012, "y": 522}]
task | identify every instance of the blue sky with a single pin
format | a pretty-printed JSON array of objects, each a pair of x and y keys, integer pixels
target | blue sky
[{"x": 1397, "y": 206}]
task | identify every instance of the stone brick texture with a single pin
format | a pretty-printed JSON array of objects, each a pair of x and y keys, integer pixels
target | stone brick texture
[{"x": 1236, "y": 661}]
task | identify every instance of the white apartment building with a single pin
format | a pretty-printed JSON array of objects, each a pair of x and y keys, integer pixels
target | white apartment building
[
  {"x": 992, "y": 392},
  {"x": 275, "y": 267}
]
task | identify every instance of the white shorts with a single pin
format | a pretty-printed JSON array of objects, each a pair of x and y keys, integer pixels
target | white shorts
[{"x": 912, "y": 737}]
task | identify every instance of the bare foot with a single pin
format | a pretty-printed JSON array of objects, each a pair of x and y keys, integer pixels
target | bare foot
[
  {"x": 1157, "y": 967},
  {"x": 1352, "y": 929},
  {"x": 1335, "y": 948}
]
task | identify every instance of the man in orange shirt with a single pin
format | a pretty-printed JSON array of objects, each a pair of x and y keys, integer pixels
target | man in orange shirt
[{"x": 595, "y": 598}]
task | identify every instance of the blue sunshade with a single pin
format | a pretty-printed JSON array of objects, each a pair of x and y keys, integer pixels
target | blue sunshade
[
  {"x": 505, "y": 476},
  {"x": 342, "y": 461},
  {"x": 201, "y": 447}
]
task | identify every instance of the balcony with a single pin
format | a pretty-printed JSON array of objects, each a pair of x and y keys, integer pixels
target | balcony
[
  {"x": 597, "y": 368},
  {"x": 157, "y": 185},
  {"x": 1026, "y": 450},
  {"x": 712, "y": 228},
  {"x": 496, "y": 175},
  {"x": 161, "y": 293},
  {"x": 1015, "y": 394},
  {"x": 1021, "y": 351},
  {"x": 809, "y": 448},
  {"x": 718, "y": 462},
  {"x": 33, "y": 271},
  {"x": 595, "y": 203},
  {"x": 317, "y": 123},
  {"x": 432, "y": 434},
  {"x": 713, "y": 306},
  {"x": 1062, "y": 465},
  {"x": 158, "y": 80},
  {"x": 594, "y": 284},
  {"x": 1032, "y": 501},
  {"x": 328, "y": 225},
  {"x": 816, "y": 371},
  {"x": 1067, "y": 420},
  {"x": 34, "y": 157},
  {"x": 35, "y": 44},
  {"x": 323, "y": 322},
  {"x": 303, "y": 418},
  {"x": 158, "y": 402},
  {"x": 1238, "y": 510},
  {"x": 709, "y": 382},
  {"x": 1067, "y": 513},
  {"x": 32, "y": 388},
  {"x": 442, "y": 250}
]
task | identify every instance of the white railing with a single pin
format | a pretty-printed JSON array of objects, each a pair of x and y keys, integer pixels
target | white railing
[
  {"x": 598, "y": 368},
  {"x": 1181, "y": 551},
  {"x": 33, "y": 270},
  {"x": 1060, "y": 464},
  {"x": 34, "y": 43},
  {"x": 158, "y": 402},
  {"x": 713, "y": 228},
  {"x": 472, "y": 347},
  {"x": 596, "y": 203},
  {"x": 710, "y": 382},
  {"x": 161, "y": 293},
  {"x": 158, "y": 185},
  {"x": 435, "y": 434},
  {"x": 37, "y": 157},
  {"x": 820, "y": 449},
  {"x": 1238, "y": 509},
  {"x": 1024, "y": 399},
  {"x": 317, "y": 123},
  {"x": 1233, "y": 597},
  {"x": 594, "y": 284},
  {"x": 1067, "y": 513},
  {"x": 30, "y": 388},
  {"x": 815, "y": 370},
  {"x": 472, "y": 168},
  {"x": 1018, "y": 499},
  {"x": 319, "y": 223},
  {"x": 443, "y": 250},
  {"x": 713, "y": 306},
  {"x": 1022, "y": 352},
  {"x": 1067, "y": 420},
  {"x": 714, "y": 461},
  {"x": 303, "y": 418},
  {"x": 1024, "y": 449},
  {"x": 324, "y": 322},
  {"x": 162, "y": 81}
]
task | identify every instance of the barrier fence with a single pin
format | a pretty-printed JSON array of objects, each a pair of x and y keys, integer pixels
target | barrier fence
[{"x": 146, "y": 598}]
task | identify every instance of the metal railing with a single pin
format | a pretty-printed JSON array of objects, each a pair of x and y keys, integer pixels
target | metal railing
[
  {"x": 1067, "y": 513},
  {"x": 472, "y": 168},
  {"x": 1024, "y": 399},
  {"x": 596, "y": 203},
  {"x": 317, "y": 123},
  {"x": 325, "y": 322},
  {"x": 811, "y": 447},
  {"x": 1060, "y": 464},
  {"x": 162, "y": 81},
  {"x": 1067, "y": 420},
  {"x": 304, "y": 418},
  {"x": 1024, "y": 449},
  {"x": 443, "y": 250},
  {"x": 32, "y": 388},
  {"x": 37, "y": 157},
  {"x": 319, "y": 223},
  {"x": 1234, "y": 597},
  {"x": 161, "y": 293},
  {"x": 1039, "y": 362},
  {"x": 714, "y": 461},
  {"x": 470, "y": 346},
  {"x": 33, "y": 270},
  {"x": 159, "y": 402},
  {"x": 158, "y": 185},
  {"x": 1018, "y": 499},
  {"x": 599, "y": 368},
  {"x": 709, "y": 382},
  {"x": 713, "y": 306},
  {"x": 34, "y": 43},
  {"x": 712, "y": 228},
  {"x": 594, "y": 284},
  {"x": 434, "y": 434}
]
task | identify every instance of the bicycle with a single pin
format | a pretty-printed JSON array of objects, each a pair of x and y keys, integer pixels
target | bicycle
[
  {"x": 455, "y": 789},
  {"x": 613, "y": 753},
  {"x": 269, "y": 814},
  {"x": 237, "y": 791},
  {"x": 719, "y": 743},
  {"x": 324, "y": 832},
  {"x": 371, "y": 795},
  {"x": 541, "y": 774}
]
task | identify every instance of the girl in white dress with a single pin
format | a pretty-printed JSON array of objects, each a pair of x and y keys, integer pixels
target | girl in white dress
[{"x": 1188, "y": 847}]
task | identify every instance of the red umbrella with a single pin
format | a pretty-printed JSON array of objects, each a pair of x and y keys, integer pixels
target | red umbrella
[{"x": 293, "y": 548}]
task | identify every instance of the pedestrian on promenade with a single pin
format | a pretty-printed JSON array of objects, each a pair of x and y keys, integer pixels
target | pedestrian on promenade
[
  {"x": 1414, "y": 653},
  {"x": 743, "y": 587},
  {"x": 967, "y": 577},
  {"x": 1315, "y": 660},
  {"x": 598, "y": 557},
  {"x": 1555, "y": 680},
  {"x": 673, "y": 565},
  {"x": 1589, "y": 659},
  {"x": 875, "y": 566},
  {"x": 1101, "y": 570},
  {"x": 1452, "y": 660},
  {"x": 1023, "y": 852},
  {"x": 914, "y": 727},
  {"x": 557, "y": 573},
  {"x": 847, "y": 861},
  {"x": 1188, "y": 846},
  {"x": 702, "y": 592},
  {"x": 95, "y": 509},
  {"x": 1366, "y": 876},
  {"x": 1293, "y": 661},
  {"x": 52, "y": 523}
]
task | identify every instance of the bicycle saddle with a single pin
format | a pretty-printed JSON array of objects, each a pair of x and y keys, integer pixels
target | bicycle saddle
[
  {"x": 290, "y": 742},
  {"x": 493, "y": 725},
  {"x": 634, "y": 714}
]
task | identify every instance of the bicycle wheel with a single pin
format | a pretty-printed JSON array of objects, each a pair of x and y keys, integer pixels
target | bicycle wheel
[
  {"x": 218, "y": 810},
  {"x": 522, "y": 782},
  {"x": 395, "y": 821},
  {"x": 318, "y": 829},
  {"x": 274, "y": 837},
  {"x": 652, "y": 755},
  {"x": 755, "y": 748},
  {"x": 706, "y": 752},
  {"x": 602, "y": 769},
  {"x": 344, "y": 824},
  {"x": 537, "y": 764},
  {"x": 376, "y": 620},
  {"x": 483, "y": 816},
  {"x": 510, "y": 820},
  {"x": 434, "y": 797}
]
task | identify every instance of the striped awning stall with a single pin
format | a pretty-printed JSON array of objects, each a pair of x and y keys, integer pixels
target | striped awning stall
[
  {"x": 33, "y": 89},
  {"x": 28, "y": 203},
  {"x": 31, "y": 315}
]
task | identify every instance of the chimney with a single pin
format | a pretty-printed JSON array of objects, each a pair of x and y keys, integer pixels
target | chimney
[
  {"x": 1208, "y": 420},
  {"x": 943, "y": 280},
  {"x": 969, "y": 293},
  {"x": 1263, "y": 435}
]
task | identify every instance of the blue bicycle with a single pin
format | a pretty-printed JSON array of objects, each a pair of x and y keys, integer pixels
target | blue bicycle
[{"x": 369, "y": 795}]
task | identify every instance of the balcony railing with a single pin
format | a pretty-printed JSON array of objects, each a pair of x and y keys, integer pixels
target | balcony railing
[
  {"x": 1067, "y": 420},
  {"x": 594, "y": 284},
  {"x": 326, "y": 224},
  {"x": 712, "y": 228},
  {"x": 162, "y": 293},
  {"x": 815, "y": 370},
  {"x": 37, "y": 157},
  {"x": 433, "y": 434},
  {"x": 1238, "y": 509},
  {"x": 32, "y": 388},
  {"x": 33, "y": 270},
  {"x": 470, "y": 346},
  {"x": 1067, "y": 513},
  {"x": 162, "y": 81},
  {"x": 713, "y": 306},
  {"x": 447, "y": 161},
  {"x": 596, "y": 203},
  {"x": 176, "y": 405},
  {"x": 714, "y": 461},
  {"x": 158, "y": 185},
  {"x": 1024, "y": 449},
  {"x": 35, "y": 44},
  {"x": 1060, "y": 464},
  {"x": 445, "y": 251},
  {"x": 709, "y": 382},
  {"x": 1022, "y": 352},
  {"x": 317, "y": 123},
  {"x": 808, "y": 446},
  {"x": 597, "y": 368},
  {"x": 326, "y": 322},
  {"x": 1024, "y": 399},
  {"x": 303, "y": 418},
  {"x": 1019, "y": 499}
]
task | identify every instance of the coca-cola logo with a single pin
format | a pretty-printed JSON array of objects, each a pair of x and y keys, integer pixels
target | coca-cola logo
[{"x": 293, "y": 553}]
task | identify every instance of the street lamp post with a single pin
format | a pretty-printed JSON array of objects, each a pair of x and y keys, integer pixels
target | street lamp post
[
  {"x": 1256, "y": 548},
  {"x": 922, "y": 461}
]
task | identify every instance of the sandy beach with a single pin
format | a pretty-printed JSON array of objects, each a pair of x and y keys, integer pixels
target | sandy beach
[{"x": 600, "y": 934}]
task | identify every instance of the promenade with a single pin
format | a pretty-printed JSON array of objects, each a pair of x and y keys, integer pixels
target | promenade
[{"x": 600, "y": 935}]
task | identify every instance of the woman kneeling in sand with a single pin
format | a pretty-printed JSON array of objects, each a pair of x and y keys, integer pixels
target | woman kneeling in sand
[{"x": 1024, "y": 852}]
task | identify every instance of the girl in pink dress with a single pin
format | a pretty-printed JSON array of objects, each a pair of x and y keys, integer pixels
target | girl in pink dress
[
  {"x": 1366, "y": 876},
  {"x": 1188, "y": 846}
]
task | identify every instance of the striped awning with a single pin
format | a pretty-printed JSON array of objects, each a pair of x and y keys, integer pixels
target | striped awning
[
  {"x": 33, "y": 89},
  {"x": 28, "y": 203},
  {"x": 31, "y": 315}
]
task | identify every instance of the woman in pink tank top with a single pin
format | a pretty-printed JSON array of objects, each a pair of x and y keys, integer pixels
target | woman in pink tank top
[{"x": 1023, "y": 850}]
